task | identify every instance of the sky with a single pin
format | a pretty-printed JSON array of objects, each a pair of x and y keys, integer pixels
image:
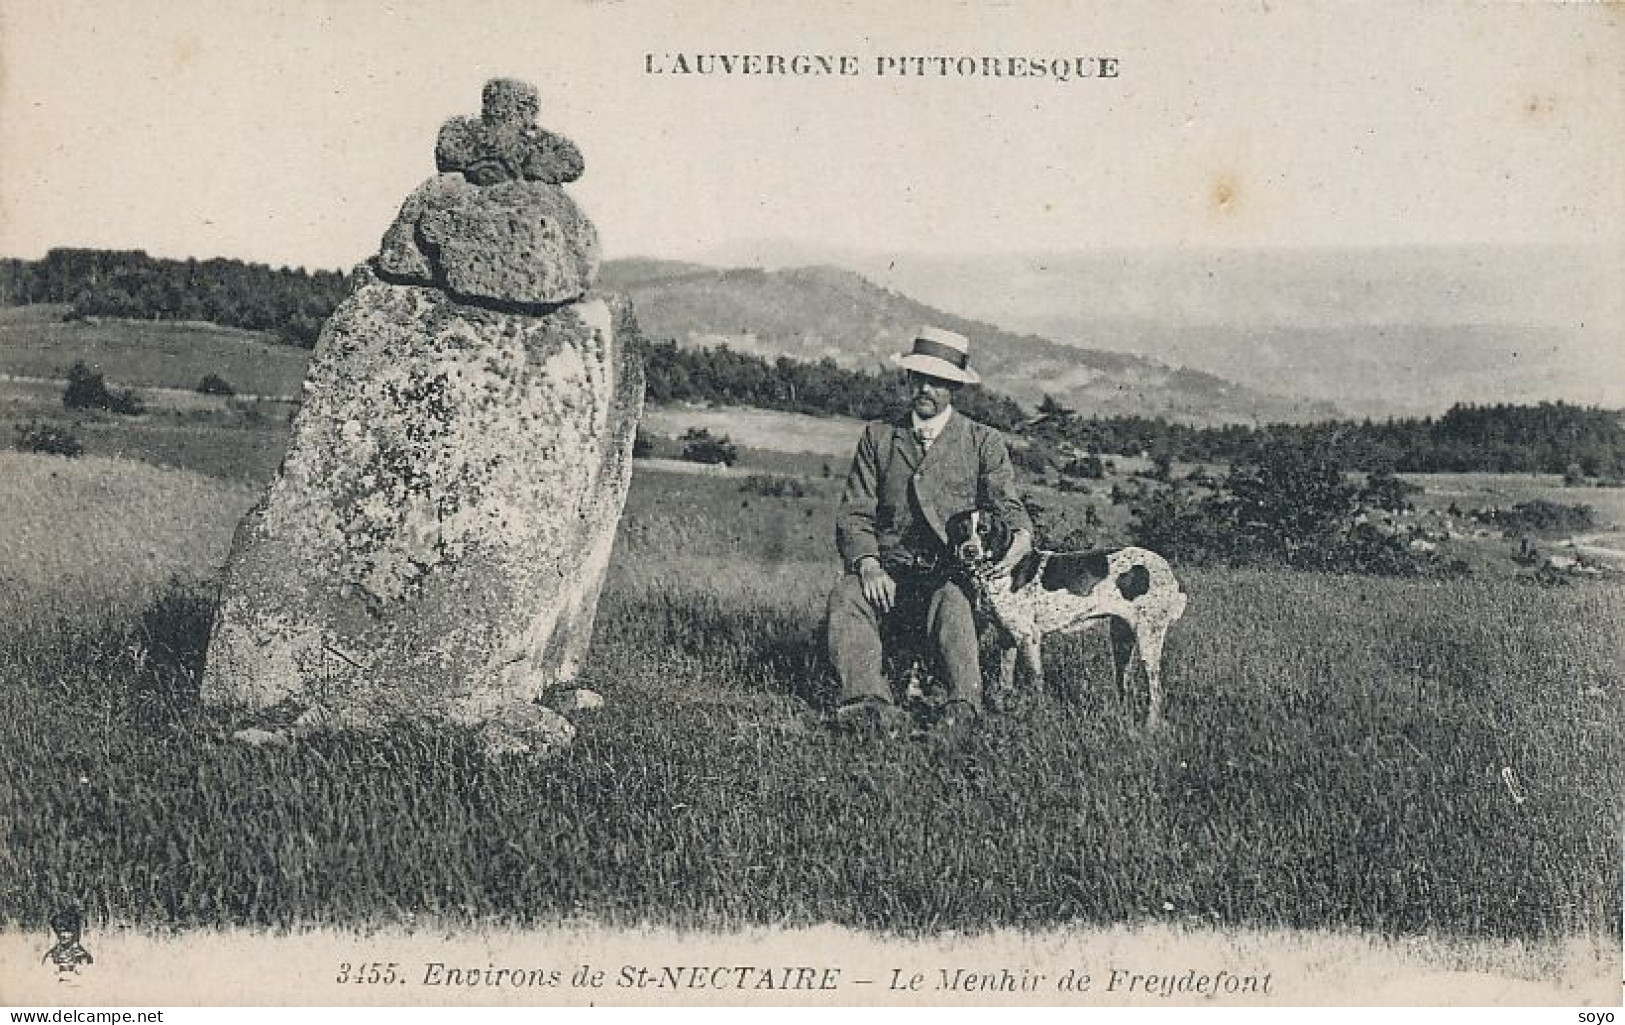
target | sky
[{"x": 289, "y": 131}]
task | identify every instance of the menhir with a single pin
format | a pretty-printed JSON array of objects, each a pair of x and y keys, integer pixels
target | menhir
[{"x": 433, "y": 546}]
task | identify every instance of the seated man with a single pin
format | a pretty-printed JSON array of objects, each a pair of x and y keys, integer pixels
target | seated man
[{"x": 907, "y": 479}]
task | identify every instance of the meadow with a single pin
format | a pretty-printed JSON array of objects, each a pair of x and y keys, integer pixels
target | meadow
[
  {"x": 1393, "y": 757},
  {"x": 41, "y": 341},
  {"x": 1358, "y": 771}
]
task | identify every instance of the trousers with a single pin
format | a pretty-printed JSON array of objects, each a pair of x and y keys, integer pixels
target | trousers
[{"x": 930, "y": 614}]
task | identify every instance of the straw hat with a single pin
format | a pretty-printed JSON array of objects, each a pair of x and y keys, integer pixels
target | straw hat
[{"x": 939, "y": 353}]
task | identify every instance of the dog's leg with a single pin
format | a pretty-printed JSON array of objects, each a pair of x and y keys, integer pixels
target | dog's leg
[
  {"x": 1032, "y": 656},
  {"x": 1003, "y": 696},
  {"x": 1152, "y": 631},
  {"x": 1123, "y": 646}
]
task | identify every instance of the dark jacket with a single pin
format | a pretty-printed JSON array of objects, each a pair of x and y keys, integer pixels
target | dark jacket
[{"x": 897, "y": 502}]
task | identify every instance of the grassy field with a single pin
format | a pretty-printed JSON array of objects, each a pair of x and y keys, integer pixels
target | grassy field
[
  {"x": 37, "y": 342},
  {"x": 765, "y": 429},
  {"x": 233, "y": 438},
  {"x": 1431, "y": 762},
  {"x": 1403, "y": 757},
  {"x": 99, "y": 537}
]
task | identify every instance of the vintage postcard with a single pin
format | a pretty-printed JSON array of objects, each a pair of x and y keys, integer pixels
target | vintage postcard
[{"x": 528, "y": 502}]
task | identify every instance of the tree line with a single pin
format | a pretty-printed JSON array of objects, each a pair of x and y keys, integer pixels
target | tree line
[
  {"x": 722, "y": 375},
  {"x": 1551, "y": 437},
  {"x": 291, "y": 303},
  {"x": 1548, "y": 437}
]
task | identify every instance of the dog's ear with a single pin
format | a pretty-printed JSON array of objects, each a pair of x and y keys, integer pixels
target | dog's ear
[
  {"x": 958, "y": 528},
  {"x": 1025, "y": 572},
  {"x": 997, "y": 534}
]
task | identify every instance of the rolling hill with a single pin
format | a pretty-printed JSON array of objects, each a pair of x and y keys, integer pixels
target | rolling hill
[
  {"x": 1201, "y": 336},
  {"x": 819, "y": 312},
  {"x": 41, "y": 341},
  {"x": 1378, "y": 331}
]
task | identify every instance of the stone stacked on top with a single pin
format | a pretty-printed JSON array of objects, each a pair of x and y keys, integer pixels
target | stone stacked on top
[{"x": 495, "y": 223}]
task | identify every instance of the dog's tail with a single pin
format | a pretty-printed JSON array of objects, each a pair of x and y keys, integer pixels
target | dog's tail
[{"x": 1177, "y": 602}]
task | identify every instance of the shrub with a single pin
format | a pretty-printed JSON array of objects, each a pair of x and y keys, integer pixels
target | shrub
[
  {"x": 87, "y": 390},
  {"x": 648, "y": 445},
  {"x": 770, "y": 485},
  {"x": 214, "y": 384},
  {"x": 1365, "y": 549},
  {"x": 1174, "y": 522},
  {"x": 701, "y": 446},
  {"x": 1387, "y": 492},
  {"x": 1539, "y": 514},
  {"x": 1064, "y": 526},
  {"x": 1291, "y": 505},
  {"x": 48, "y": 439},
  {"x": 1089, "y": 466},
  {"x": 125, "y": 402},
  {"x": 1037, "y": 457}
]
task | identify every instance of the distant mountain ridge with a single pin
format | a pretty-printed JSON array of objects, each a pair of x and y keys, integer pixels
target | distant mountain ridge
[
  {"x": 1380, "y": 331},
  {"x": 819, "y": 312}
]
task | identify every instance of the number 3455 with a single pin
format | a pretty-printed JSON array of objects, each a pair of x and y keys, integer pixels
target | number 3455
[{"x": 370, "y": 973}]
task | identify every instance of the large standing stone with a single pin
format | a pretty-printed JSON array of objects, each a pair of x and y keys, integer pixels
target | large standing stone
[
  {"x": 436, "y": 539},
  {"x": 433, "y": 546}
]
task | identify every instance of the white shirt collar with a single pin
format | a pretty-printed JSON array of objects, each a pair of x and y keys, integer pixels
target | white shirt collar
[{"x": 933, "y": 427}]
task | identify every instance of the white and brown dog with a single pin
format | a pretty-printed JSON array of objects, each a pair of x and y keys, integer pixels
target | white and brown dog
[{"x": 1063, "y": 592}]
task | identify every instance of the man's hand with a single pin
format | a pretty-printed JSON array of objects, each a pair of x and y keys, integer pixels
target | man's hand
[
  {"x": 1021, "y": 544},
  {"x": 878, "y": 586}
]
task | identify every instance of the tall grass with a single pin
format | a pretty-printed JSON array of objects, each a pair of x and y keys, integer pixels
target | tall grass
[
  {"x": 1383, "y": 755},
  {"x": 106, "y": 534}
]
